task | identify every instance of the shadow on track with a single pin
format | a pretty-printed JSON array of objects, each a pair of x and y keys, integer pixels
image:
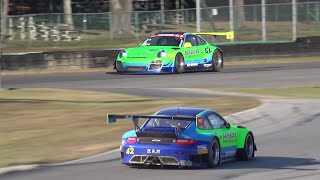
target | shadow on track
[{"x": 261, "y": 162}]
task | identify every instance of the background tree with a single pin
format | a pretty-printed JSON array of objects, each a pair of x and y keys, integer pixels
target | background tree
[
  {"x": 121, "y": 16},
  {"x": 67, "y": 10},
  {"x": 239, "y": 14}
]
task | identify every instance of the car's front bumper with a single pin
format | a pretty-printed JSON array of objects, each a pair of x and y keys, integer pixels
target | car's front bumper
[{"x": 123, "y": 67}]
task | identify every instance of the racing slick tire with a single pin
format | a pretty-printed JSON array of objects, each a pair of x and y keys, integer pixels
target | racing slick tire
[
  {"x": 179, "y": 64},
  {"x": 217, "y": 61},
  {"x": 246, "y": 153},
  {"x": 214, "y": 154}
]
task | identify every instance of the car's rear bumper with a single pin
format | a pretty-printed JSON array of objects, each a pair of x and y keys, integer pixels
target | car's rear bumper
[{"x": 163, "y": 155}]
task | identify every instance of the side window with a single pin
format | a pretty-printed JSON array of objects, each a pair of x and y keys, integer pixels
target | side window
[
  {"x": 192, "y": 39},
  {"x": 201, "y": 41},
  {"x": 216, "y": 121}
]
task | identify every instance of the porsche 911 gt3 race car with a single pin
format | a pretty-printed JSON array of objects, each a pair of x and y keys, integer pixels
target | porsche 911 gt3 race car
[
  {"x": 172, "y": 52},
  {"x": 184, "y": 137}
]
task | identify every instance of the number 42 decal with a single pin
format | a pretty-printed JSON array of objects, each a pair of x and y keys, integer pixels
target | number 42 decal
[
  {"x": 207, "y": 50},
  {"x": 130, "y": 150}
]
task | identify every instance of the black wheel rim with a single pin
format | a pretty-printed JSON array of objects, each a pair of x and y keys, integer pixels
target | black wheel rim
[
  {"x": 180, "y": 64},
  {"x": 217, "y": 60},
  {"x": 249, "y": 146},
  {"x": 215, "y": 152}
]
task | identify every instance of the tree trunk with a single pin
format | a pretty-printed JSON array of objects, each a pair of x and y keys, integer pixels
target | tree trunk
[
  {"x": 67, "y": 10},
  {"x": 121, "y": 17},
  {"x": 239, "y": 15},
  {"x": 4, "y": 14}
]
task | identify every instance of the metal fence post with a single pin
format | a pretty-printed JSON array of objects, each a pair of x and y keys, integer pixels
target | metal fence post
[
  {"x": 84, "y": 20},
  {"x": 1, "y": 44},
  {"x": 198, "y": 15},
  {"x": 263, "y": 9},
  {"x": 162, "y": 12},
  {"x": 136, "y": 22},
  {"x": 294, "y": 20},
  {"x": 231, "y": 17},
  {"x": 110, "y": 26}
]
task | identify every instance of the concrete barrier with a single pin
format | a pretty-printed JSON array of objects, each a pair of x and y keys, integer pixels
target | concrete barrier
[{"x": 105, "y": 58}]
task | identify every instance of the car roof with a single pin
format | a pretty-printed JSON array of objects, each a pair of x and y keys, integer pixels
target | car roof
[{"x": 182, "y": 111}]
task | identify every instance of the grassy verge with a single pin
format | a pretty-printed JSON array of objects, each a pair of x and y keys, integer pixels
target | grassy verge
[
  {"x": 296, "y": 92},
  {"x": 46, "y": 125},
  {"x": 110, "y": 69}
]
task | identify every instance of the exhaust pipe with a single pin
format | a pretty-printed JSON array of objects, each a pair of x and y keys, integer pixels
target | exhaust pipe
[{"x": 154, "y": 161}]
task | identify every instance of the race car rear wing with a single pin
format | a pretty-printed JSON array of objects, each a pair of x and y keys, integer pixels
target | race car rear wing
[
  {"x": 229, "y": 35},
  {"x": 111, "y": 118}
]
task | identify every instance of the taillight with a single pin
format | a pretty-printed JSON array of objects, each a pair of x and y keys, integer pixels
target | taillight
[
  {"x": 185, "y": 141},
  {"x": 132, "y": 140}
]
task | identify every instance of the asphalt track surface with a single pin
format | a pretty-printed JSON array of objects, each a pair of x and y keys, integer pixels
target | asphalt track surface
[{"x": 286, "y": 130}]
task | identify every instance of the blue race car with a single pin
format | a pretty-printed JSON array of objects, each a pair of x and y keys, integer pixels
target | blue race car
[{"x": 184, "y": 137}]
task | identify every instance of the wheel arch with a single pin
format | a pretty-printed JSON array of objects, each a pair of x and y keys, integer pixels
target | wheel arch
[{"x": 241, "y": 136}]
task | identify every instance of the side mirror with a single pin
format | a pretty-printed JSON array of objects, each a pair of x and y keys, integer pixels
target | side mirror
[
  {"x": 187, "y": 45},
  {"x": 227, "y": 125}
]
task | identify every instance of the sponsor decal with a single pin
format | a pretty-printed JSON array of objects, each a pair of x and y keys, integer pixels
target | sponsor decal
[
  {"x": 207, "y": 50},
  {"x": 156, "y": 140},
  {"x": 193, "y": 64},
  {"x": 207, "y": 65},
  {"x": 170, "y": 35},
  {"x": 130, "y": 150},
  {"x": 191, "y": 52},
  {"x": 230, "y": 153},
  {"x": 202, "y": 149},
  {"x": 185, "y": 163},
  {"x": 171, "y": 55},
  {"x": 229, "y": 135},
  {"x": 153, "y": 151}
]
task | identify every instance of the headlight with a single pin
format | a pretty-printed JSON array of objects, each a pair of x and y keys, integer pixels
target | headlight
[
  {"x": 162, "y": 53},
  {"x": 123, "y": 54}
]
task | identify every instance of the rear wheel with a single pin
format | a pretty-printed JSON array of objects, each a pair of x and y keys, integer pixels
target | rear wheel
[
  {"x": 179, "y": 64},
  {"x": 214, "y": 154},
  {"x": 246, "y": 153},
  {"x": 217, "y": 61}
]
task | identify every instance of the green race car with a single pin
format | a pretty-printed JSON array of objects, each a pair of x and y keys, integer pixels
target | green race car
[{"x": 175, "y": 52}]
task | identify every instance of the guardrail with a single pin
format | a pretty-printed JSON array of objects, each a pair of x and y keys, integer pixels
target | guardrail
[{"x": 105, "y": 58}]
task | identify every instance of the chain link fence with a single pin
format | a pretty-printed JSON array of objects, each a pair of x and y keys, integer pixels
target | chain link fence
[{"x": 47, "y": 32}]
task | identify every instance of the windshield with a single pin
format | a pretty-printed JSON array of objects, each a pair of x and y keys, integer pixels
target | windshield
[
  {"x": 166, "y": 123},
  {"x": 158, "y": 40}
]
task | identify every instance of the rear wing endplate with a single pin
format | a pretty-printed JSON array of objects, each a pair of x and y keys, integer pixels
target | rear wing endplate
[{"x": 229, "y": 34}]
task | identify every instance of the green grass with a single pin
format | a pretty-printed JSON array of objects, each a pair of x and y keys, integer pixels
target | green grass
[
  {"x": 296, "y": 92},
  {"x": 52, "y": 125}
]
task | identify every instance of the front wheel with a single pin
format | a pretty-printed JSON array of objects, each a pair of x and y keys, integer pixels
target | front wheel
[
  {"x": 217, "y": 61},
  {"x": 246, "y": 153},
  {"x": 179, "y": 64},
  {"x": 214, "y": 154}
]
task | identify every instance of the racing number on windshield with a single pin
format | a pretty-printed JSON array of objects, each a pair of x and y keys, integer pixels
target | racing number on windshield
[{"x": 130, "y": 150}]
